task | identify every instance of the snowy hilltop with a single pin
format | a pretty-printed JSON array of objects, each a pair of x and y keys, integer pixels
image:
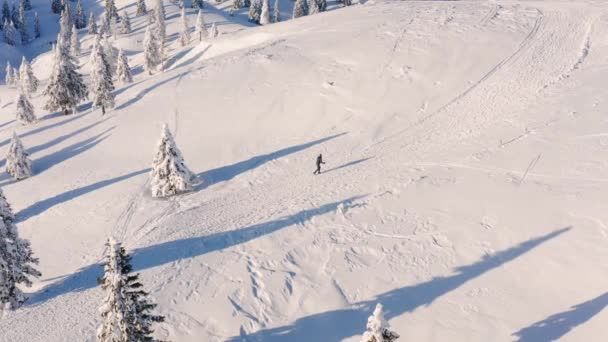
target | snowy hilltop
[{"x": 308, "y": 170}]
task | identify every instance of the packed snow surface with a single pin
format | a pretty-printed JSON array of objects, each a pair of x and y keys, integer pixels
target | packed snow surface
[{"x": 466, "y": 184}]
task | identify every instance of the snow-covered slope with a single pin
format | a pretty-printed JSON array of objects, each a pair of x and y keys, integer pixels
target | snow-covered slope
[{"x": 465, "y": 186}]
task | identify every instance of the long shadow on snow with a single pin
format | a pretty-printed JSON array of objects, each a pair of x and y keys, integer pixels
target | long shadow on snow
[
  {"x": 352, "y": 163},
  {"x": 169, "y": 63},
  {"x": 145, "y": 91},
  {"x": 41, "y": 206},
  {"x": 44, "y": 128},
  {"x": 171, "y": 251},
  {"x": 333, "y": 326},
  {"x": 228, "y": 172},
  {"x": 554, "y": 327}
]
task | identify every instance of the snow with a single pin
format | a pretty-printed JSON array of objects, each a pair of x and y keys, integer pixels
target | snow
[{"x": 465, "y": 185}]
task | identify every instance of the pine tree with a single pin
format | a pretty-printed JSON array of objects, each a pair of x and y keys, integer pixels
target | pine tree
[
  {"x": 197, "y": 4},
  {"x": 184, "y": 37},
  {"x": 25, "y": 110},
  {"x": 237, "y": 5},
  {"x": 27, "y": 5},
  {"x": 65, "y": 88},
  {"x": 126, "y": 312},
  {"x": 111, "y": 54},
  {"x": 313, "y": 7},
  {"x": 110, "y": 10},
  {"x": 9, "y": 78},
  {"x": 141, "y": 8},
  {"x": 160, "y": 20},
  {"x": 16, "y": 259},
  {"x": 15, "y": 16},
  {"x": 153, "y": 56},
  {"x": 276, "y": 12},
  {"x": 125, "y": 23},
  {"x": 80, "y": 20},
  {"x": 9, "y": 33},
  {"x": 101, "y": 78},
  {"x": 23, "y": 29},
  {"x": 322, "y": 5},
  {"x": 265, "y": 14},
  {"x": 378, "y": 329},
  {"x": 6, "y": 13},
  {"x": 170, "y": 175},
  {"x": 213, "y": 32},
  {"x": 299, "y": 9},
  {"x": 65, "y": 27},
  {"x": 56, "y": 6},
  {"x": 123, "y": 70},
  {"x": 255, "y": 10},
  {"x": 112, "y": 28},
  {"x": 92, "y": 24},
  {"x": 201, "y": 30},
  {"x": 75, "y": 43},
  {"x": 28, "y": 82},
  {"x": 37, "y": 32}
]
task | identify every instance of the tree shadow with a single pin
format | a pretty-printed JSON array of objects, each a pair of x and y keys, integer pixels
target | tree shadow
[
  {"x": 171, "y": 251},
  {"x": 355, "y": 162},
  {"x": 44, "y": 163},
  {"x": 41, "y": 206},
  {"x": 7, "y": 123},
  {"x": 226, "y": 173},
  {"x": 334, "y": 326},
  {"x": 193, "y": 58},
  {"x": 169, "y": 63},
  {"x": 44, "y": 128},
  {"x": 145, "y": 91},
  {"x": 554, "y": 327}
]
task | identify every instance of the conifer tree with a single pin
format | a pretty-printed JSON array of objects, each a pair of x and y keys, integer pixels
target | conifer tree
[
  {"x": 75, "y": 43},
  {"x": 9, "y": 33},
  {"x": 255, "y": 10},
  {"x": 65, "y": 27},
  {"x": 110, "y": 10},
  {"x": 152, "y": 49},
  {"x": 213, "y": 32},
  {"x": 322, "y": 5},
  {"x": 160, "y": 20},
  {"x": 92, "y": 24},
  {"x": 126, "y": 311},
  {"x": 9, "y": 78},
  {"x": 65, "y": 88},
  {"x": 112, "y": 30},
  {"x": 125, "y": 23},
  {"x": 111, "y": 54},
  {"x": 197, "y": 4},
  {"x": 23, "y": 29},
  {"x": 80, "y": 21},
  {"x": 6, "y": 13},
  {"x": 16, "y": 258},
  {"x": 378, "y": 329},
  {"x": 123, "y": 70},
  {"x": 141, "y": 8},
  {"x": 299, "y": 9},
  {"x": 101, "y": 78},
  {"x": 28, "y": 82},
  {"x": 201, "y": 30},
  {"x": 37, "y": 32},
  {"x": 27, "y": 5},
  {"x": 25, "y": 111},
  {"x": 276, "y": 12},
  {"x": 184, "y": 37},
  {"x": 169, "y": 175},
  {"x": 313, "y": 7},
  {"x": 56, "y": 6},
  {"x": 265, "y": 14},
  {"x": 15, "y": 15}
]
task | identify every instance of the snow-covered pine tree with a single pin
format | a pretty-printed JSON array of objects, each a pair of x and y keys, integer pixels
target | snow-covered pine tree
[
  {"x": 25, "y": 111},
  {"x": 126, "y": 312},
  {"x": 112, "y": 28},
  {"x": 322, "y": 5},
  {"x": 101, "y": 78},
  {"x": 141, "y": 8},
  {"x": 123, "y": 70},
  {"x": 153, "y": 55},
  {"x": 56, "y": 6},
  {"x": 197, "y": 4},
  {"x": 265, "y": 18},
  {"x": 313, "y": 7},
  {"x": 9, "y": 33},
  {"x": 111, "y": 54},
  {"x": 276, "y": 12},
  {"x": 65, "y": 88},
  {"x": 170, "y": 175},
  {"x": 92, "y": 24},
  {"x": 9, "y": 78},
  {"x": 15, "y": 15},
  {"x": 75, "y": 43},
  {"x": 300, "y": 9},
  {"x": 28, "y": 82},
  {"x": 37, "y": 31},
  {"x": 255, "y": 10},
  {"x": 160, "y": 20},
  {"x": 16, "y": 258},
  {"x": 214, "y": 32},
  {"x": 6, "y": 12},
  {"x": 347, "y": 2},
  {"x": 80, "y": 21},
  {"x": 184, "y": 36},
  {"x": 27, "y": 5},
  {"x": 23, "y": 27},
  {"x": 201, "y": 30},
  {"x": 65, "y": 27},
  {"x": 125, "y": 23},
  {"x": 110, "y": 10},
  {"x": 378, "y": 329}
]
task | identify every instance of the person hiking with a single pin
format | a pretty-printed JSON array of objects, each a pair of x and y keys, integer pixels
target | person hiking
[{"x": 319, "y": 162}]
